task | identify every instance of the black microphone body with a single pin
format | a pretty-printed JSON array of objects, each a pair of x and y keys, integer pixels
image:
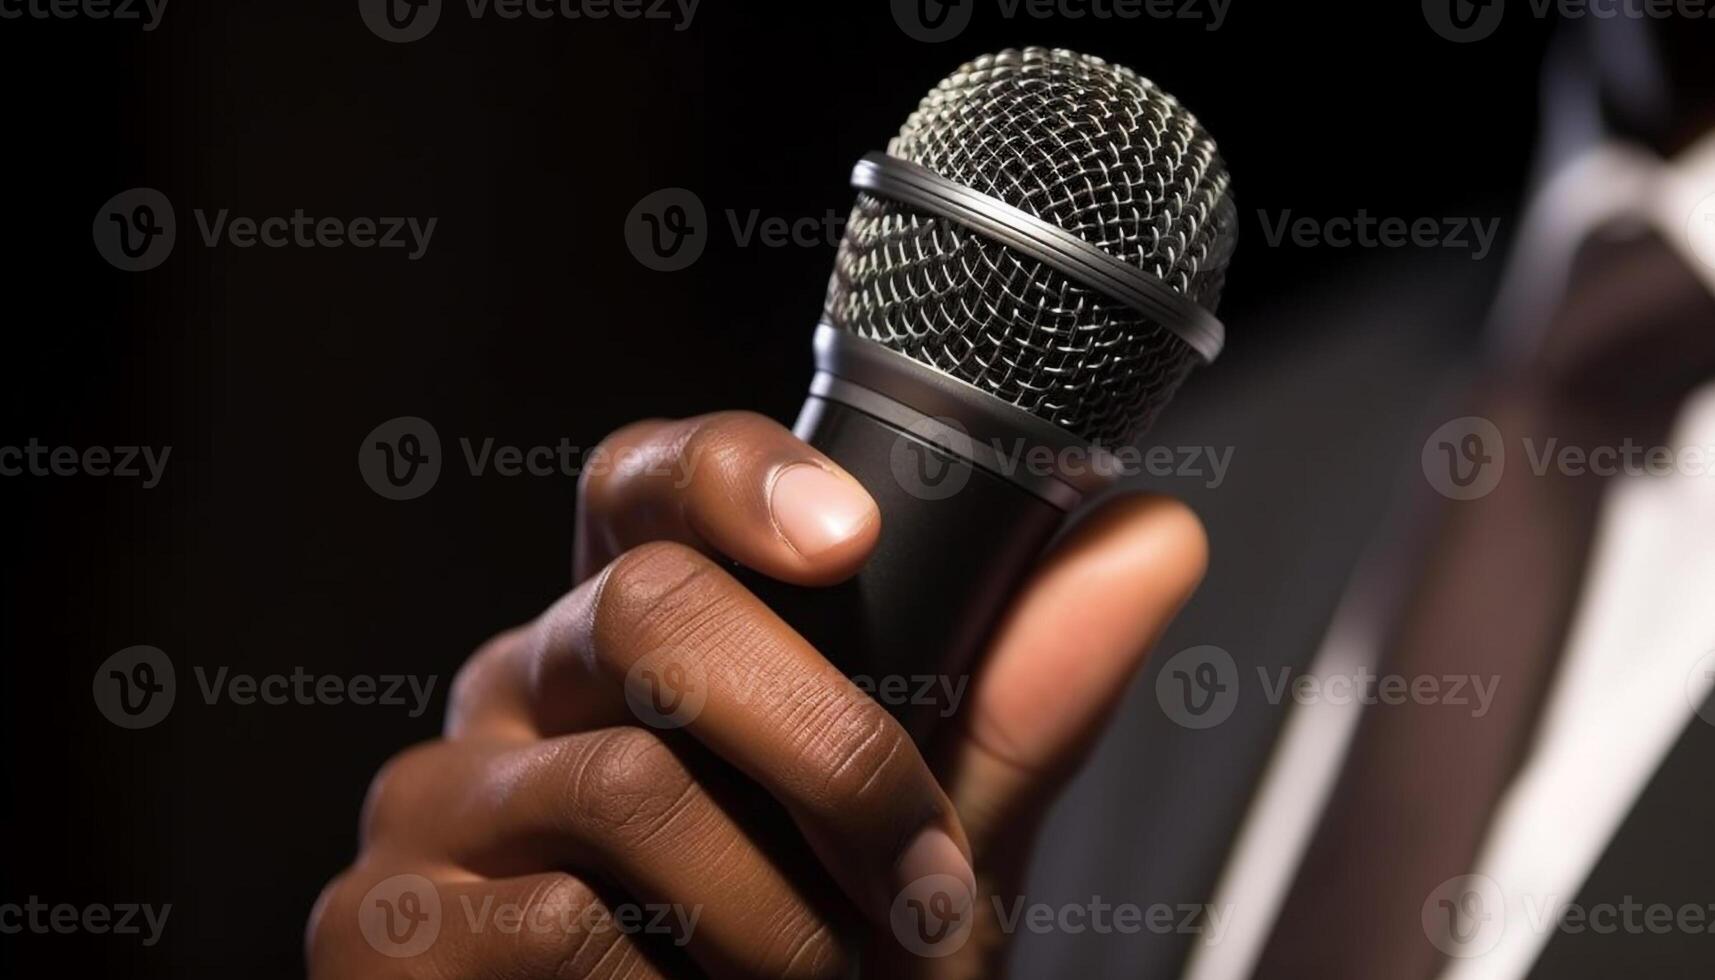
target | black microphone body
[{"x": 957, "y": 540}]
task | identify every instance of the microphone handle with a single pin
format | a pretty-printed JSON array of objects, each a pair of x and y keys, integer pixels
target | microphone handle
[{"x": 956, "y": 543}]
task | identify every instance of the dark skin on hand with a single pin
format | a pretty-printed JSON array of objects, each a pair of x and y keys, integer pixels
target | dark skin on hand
[{"x": 790, "y": 810}]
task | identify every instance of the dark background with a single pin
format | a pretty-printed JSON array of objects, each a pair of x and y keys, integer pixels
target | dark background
[{"x": 528, "y": 321}]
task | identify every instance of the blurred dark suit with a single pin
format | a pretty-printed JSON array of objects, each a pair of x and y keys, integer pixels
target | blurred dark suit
[
  {"x": 1324, "y": 494},
  {"x": 1325, "y": 472}
]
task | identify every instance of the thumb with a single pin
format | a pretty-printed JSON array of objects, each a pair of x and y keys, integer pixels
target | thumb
[{"x": 1062, "y": 659}]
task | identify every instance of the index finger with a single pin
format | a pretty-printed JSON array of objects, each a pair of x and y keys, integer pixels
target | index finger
[{"x": 732, "y": 483}]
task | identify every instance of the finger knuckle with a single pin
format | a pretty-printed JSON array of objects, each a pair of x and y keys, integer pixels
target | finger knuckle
[
  {"x": 858, "y": 751},
  {"x": 647, "y": 591},
  {"x": 466, "y": 694},
  {"x": 624, "y": 785},
  {"x": 558, "y": 913},
  {"x": 724, "y": 440},
  {"x": 398, "y": 790},
  {"x": 613, "y": 453}
]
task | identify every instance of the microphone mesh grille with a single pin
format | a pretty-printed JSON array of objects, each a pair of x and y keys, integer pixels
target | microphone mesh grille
[{"x": 1079, "y": 143}]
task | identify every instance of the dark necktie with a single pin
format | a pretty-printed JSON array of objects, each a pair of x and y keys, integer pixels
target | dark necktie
[{"x": 1493, "y": 599}]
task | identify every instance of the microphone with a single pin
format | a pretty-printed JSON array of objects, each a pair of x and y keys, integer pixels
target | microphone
[{"x": 1030, "y": 272}]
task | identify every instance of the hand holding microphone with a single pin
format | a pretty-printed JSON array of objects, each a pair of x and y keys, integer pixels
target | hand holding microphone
[{"x": 665, "y": 739}]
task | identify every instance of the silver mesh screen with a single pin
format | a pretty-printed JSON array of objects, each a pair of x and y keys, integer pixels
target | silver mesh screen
[{"x": 1087, "y": 146}]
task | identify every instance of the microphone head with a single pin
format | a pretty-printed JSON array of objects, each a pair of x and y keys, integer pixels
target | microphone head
[{"x": 1090, "y": 148}]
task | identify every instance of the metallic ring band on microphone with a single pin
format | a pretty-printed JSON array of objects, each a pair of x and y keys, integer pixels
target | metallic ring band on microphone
[
  {"x": 909, "y": 183},
  {"x": 938, "y": 408}
]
